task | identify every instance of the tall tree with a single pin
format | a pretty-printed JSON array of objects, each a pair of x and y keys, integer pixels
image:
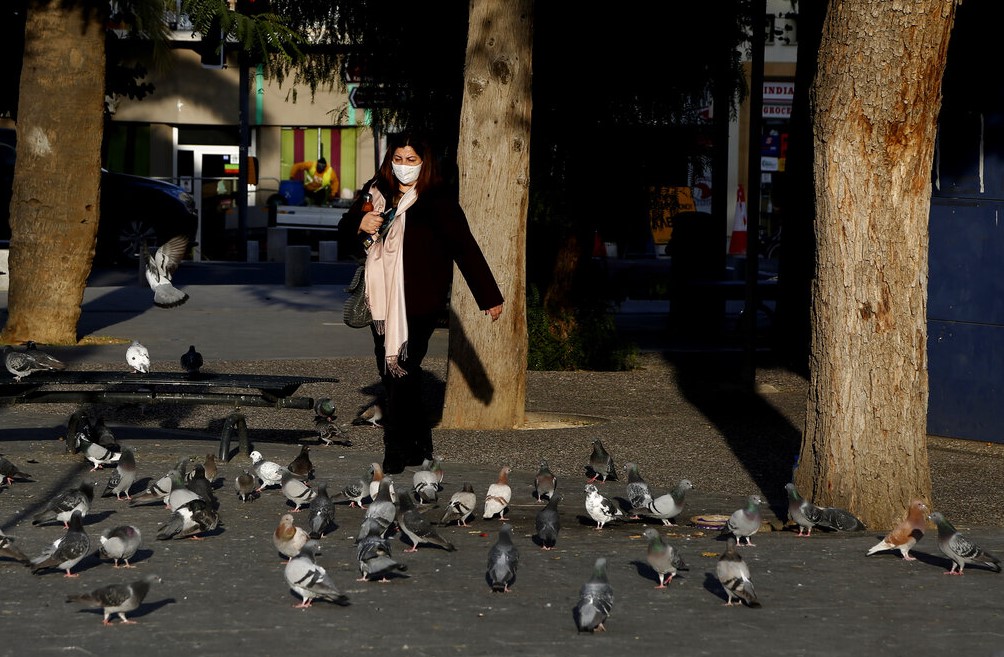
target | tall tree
[
  {"x": 876, "y": 100},
  {"x": 486, "y": 386}
]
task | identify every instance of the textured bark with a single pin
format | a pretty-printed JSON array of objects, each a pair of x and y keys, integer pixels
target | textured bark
[
  {"x": 486, "y": 382},
  {"x": 876, "y": 101},
  {"x": 54, "y": 208}
]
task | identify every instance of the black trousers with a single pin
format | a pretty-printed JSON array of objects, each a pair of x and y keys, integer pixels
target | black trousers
[{"x": 407, "y": 435}]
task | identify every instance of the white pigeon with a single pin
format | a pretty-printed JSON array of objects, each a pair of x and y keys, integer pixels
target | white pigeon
[
  {"x": 269, "y": 472},
  {"x": 425, "y": 483},
  {"x": 160, "y": 267},
  {"x": 498, "y": 496},
  {"x": 138, "y": 357},
  {"x": 600, "y": 508}
]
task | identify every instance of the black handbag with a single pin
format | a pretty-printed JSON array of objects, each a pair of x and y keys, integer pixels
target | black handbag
[{"x": 356, "y": 312}]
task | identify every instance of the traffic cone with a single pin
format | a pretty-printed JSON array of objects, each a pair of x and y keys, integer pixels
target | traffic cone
[{"x": 737, "y": 244}]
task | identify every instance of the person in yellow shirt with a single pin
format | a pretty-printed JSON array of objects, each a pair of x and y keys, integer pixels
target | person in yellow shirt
[{"x": 320, "y": 182}]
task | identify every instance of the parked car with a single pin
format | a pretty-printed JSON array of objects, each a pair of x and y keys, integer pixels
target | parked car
[{"x": 134, "y": 209}]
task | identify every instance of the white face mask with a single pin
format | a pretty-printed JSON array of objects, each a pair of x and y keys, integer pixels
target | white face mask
[{"x": 406, "y": 174}]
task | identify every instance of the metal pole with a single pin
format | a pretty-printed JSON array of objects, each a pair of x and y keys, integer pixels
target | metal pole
[
  {"x": 244, "y": 113},
  {"x": 752, "y": 302}
]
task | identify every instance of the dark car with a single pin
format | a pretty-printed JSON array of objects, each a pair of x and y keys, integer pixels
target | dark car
[{"x": 134, "y": 209}]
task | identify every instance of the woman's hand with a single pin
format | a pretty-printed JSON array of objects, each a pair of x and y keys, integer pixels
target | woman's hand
[
  {"x": 371, "y": 223},
  {"x": 494, "y": 311}
]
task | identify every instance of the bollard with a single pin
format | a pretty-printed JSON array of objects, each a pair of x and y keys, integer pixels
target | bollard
[
  {"x": 277, "y": 239},
  {"x": 297, "y": 266},
  {"x": 327, "y": 251},
  {"x": 252, "y": 251}
]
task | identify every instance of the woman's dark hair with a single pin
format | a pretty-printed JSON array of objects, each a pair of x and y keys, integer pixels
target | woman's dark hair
[{"x": 428, "y": 177}]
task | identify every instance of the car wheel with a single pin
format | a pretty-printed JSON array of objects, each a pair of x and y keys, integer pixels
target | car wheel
[{"x": 131, "y": 236}]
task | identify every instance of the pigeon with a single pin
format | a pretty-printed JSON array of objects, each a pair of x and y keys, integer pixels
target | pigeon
[
  {"x": 269, "y": 472},
  {"x": 191, "y": 361},
  {"x": 601, "y": 464},
  {"x": 287, "y": 538},
  {"x": 734, "y": 575},
  {"x": 461, "y": 506},
  {"x": 11, "y": 551},
  {"x": 63, "y": 505},
  {"x": 199, "y": 484},
  {"x": 138, "y": 358},
  {"x": 301, "y": 465},
  {"x": 9, "y": 472},
  {"x": 117, "y": 598},
  {"x": 425, "y": 484},
  {"x": 124, "y": 477},
  {"x": 102, "y": 435},
  {"x": 638, "y": 494},
  {"x": 321, "y": 512},
  {"x": 547, "y": 522},
  {"x": 503, "y": 557},
  {"x": 246, "y": 484},
  {"x": 311, "y": 581},
  {"x": 662, "y": 557},
  {"x": 807, "y": 515},
  {"x": 296, "y": 490},
  {"x": 376, "y": 476},
  {"x": 370, "y": 416},
  {"x": 67, "y": 551},
  {"x": 29, "y": 361},
  {"x": 159, "y": 489},
  {"x": 160, "y": 268},
  {"x": 330, "y": 433},
  {"x": 325, "y": 408},
  {"x": 600, "y": 508},
  {"x": 98, "y": 455},
  {"x": 189, "y": 520},
  {"x": 906, "y": 534},
  {"x": 120, "y": 543},
  {"x": 180, "y": 494},
  {"x": 745, "y": 522},
  {"x": 498, "y": 496},
  {"x": 544, "y": 482},
  {"x": 596, "y": 600},
  {"x": 668, "y": 506},
  {"x": 210, "y": 468},
  {"x": 381, "y": 512},
  {"x": 959, "y": 549},
  {"x": 437, "y": 469},
  {"x": 373, "y": 554},
  {"x": 417, "y": 527},
  {"x": 354, "y": 492}
]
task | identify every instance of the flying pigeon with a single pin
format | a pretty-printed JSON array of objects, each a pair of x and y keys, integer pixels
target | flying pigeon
[
  {"x": 287, "y": 538},
  {"x": 309, "y": 580},
  {"x": 959, "y": 549},
  {"x": 668, "y": 506},
  {"x": 64, "y": 504},
  {"x": 417, "y": 527},
  {"x": 503, "y": 558},
  {"x": 745, "y": 522},
  {"x": 246, "y": 484},
  {"x": 600, "y": 508},
  {"x": 160, "y": 268},
  {"x": 498, "y": 496},
  {"x": 461, "y": 506},
  {"x": 425, "y": 484},
  {"x": 638, "y": 494},
  {"x": 191, "y": 361},
  {"x": 373, "y": 554},
  {"x": 296, "y": 490},
  {"x": 321, "y": 513},
  {"x": 269, "y": 472},
  {"x": 120, "y": 543},
  {"x": 906, "y": 534},
  {"x": 663, "y": 558},
  {"x": 67, "y": 551},
  {"x": 370, "y": 416},
  {"x": 23, "y": 363},
  {"x": 544, "y": 482},
  {"x": 117, "y": 598},
  {"x": 596, "y": 600},
  {"x": 9, "y": 472},
  {"x": 124, "y": 477},
  {"x": 601, "y": 464},
  {"x": 189, "y": 520},
  {"x": 381, "y": 512},
  {"x": 138, "y": 358},
  {"x": 301, "y": 466},
  {"x": 734, "y": 575},
  {"x": 547, "y": 522},
  {"x": 11, "y": 551},
  {"x": 807, "y": 515}
]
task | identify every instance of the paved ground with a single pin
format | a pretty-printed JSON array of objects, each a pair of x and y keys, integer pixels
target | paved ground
[{"x": 676, "y": 416}]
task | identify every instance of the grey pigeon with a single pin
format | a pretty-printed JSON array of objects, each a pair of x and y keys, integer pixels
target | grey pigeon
[
  {"x": 734, "y": 575},
  {"x": 189, "y": 520},
  {"x": 372, "y": 415},
  {"x": 191, "y": 361},
  {"x": 745, "y": 522},
  {"x": 287, "y": 538},
  {"x": 67, "y": 551},
  {"x": 301, "y": 465},
  {"x": 544, "y": 482},
  {"x": 311, "y": 581},
  {"x": 330, "y": 433},
  {"x": 373, "y": 554},
  {"x": 29, "y": 361},
  {"x": 417, "y": 527},
  {"x": 9, "y": 472},
  {"x": 600, "y": 508},
  {"x": 268, "y": 472},
  {"x": 159, "y": 489},
  {"x": 354, "y": 492},
  {"x": 120, "y": 543},
  {"x": 668, "y": 506},
  {"x": 381, "y": 512},
  {"x": 662, "y": 557},
  {"x": 180, "y": 494},
  {"x": 117, "y": 598},
  {"x": 160, "y": 268},
  {"x": 64, "y": 504},
  {"x": 138, "y": 357},
  {"x": 296, "y": 490},
  {"x": 321, "y": 513},
  {"x": 425, "y": 484},
  {"x": 11, "y": 551},
  {"x": 102, "y": 435},
  {"x": 638, "y": 494},
  {"x": 807, "y": 515},
  {"x": 601, "y": 464},
  {"x": 325, "y": 408},
  {"x": 959, "y": 549},
  {"x": 596, "y": 600},
  {"x": 503, "y": 558},
  {"x": 124, "y": 477},
  {"x": 97, "y": 454},
  {"x": 548, "y": 523},
  {"x": 461, "y": 506},
  {"x": 246, "y": 484}
]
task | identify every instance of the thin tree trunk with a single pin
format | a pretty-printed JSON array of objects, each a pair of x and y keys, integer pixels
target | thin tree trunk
[
  {"x": 53, "y": 222},
  {"x": 486, "y": 382},
  {"x": 876, "y": 101}
]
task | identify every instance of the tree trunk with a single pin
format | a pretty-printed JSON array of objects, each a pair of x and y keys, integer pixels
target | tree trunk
[
  {"x": 877, "y": 96},
  {"x": 59, "y": 129},
  {"x": 486, "y": 382}
]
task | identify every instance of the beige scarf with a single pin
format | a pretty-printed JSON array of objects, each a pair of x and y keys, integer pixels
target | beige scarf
[{"x": 385, "y": 283}]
